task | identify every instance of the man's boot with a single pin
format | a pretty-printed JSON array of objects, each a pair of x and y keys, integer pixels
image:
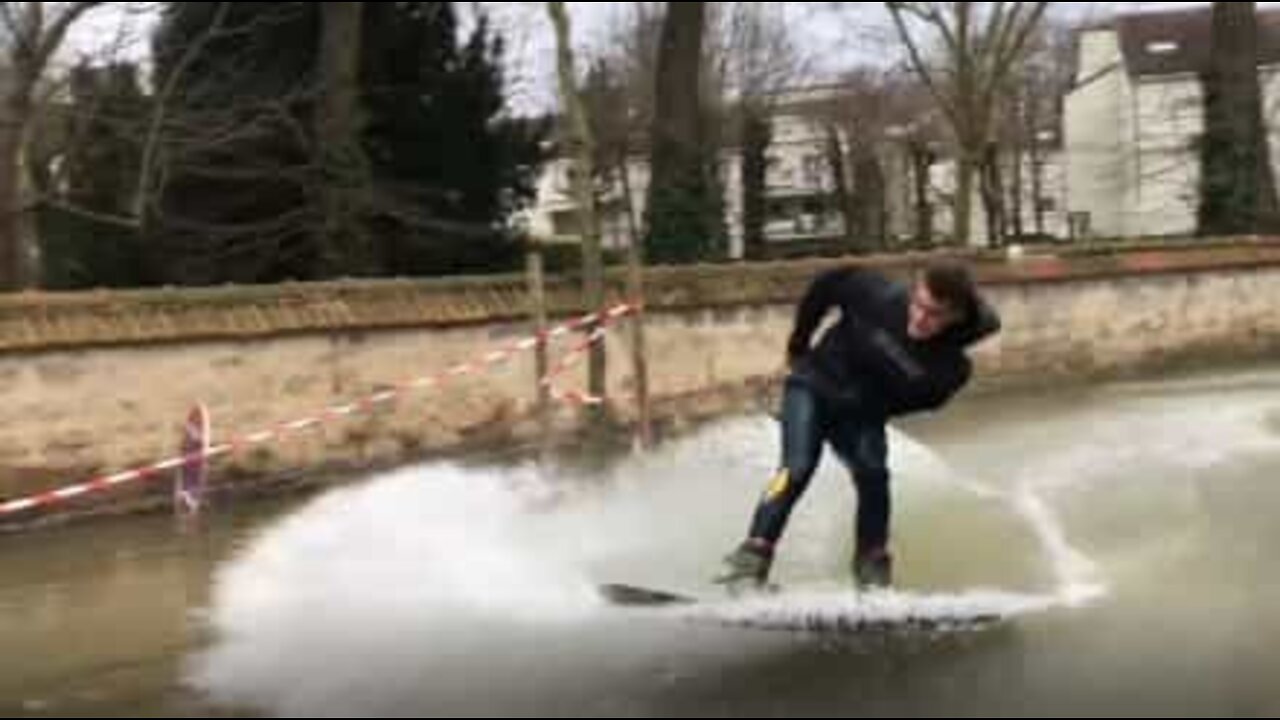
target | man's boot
[
  {"x": 747, "y": 566},
  {"x": 873, "y": 569}
]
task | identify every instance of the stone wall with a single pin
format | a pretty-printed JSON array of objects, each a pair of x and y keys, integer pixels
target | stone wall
[{"x": 101, "y": 381}]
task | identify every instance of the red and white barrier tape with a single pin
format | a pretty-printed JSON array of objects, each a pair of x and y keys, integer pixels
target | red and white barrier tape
[
  {"x": 288, "y": 429},
  {"x": 576, "y": 398},
  {"x": 571, "y": 359}
]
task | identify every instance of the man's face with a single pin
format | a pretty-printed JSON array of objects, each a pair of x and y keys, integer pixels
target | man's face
[{"x": 928, "y": 317}]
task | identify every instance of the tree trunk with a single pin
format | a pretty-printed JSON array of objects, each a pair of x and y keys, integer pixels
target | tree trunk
[
  {"x": 33, "y": 34},
  {"x": 869, "y": 184},
  {"x": 535, "y": 275},
  {"x": 1017, "y": 180},
  {"x": 966, "y": 169},
  {"x": 682, "y": 226},
  {"x": 922, "y": 164},
  {"x": 629, "y": 200},
  {"x": 1036, "y": 157},
  {"x": 1016, "y": 228},
  {"x": 837, "y": 165},
  {"x": 1238, "y": 191},
  {"x": 19, "y": 257},
  {"x": 583, "y": 145},
  {"x": 756, "y": 138},
  {"x": 344, "y": 244},
  {"x": 635, "y": 294},
  {"x": 639, "y": 345},
  {"x": 992, "y": 190}
]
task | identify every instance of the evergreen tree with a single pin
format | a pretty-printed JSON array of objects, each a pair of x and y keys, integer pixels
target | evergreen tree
[
  {"x": 1237, "y": 183},
  {"x": 446, "y": 165},
  {"x": 686, "y": 201}
]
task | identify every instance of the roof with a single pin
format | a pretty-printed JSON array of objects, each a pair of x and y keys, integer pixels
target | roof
[{"x": 1171, "y": 43}]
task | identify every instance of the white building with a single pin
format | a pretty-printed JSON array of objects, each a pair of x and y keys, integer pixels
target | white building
[
  {"x": 1135, "y": 116},
  {"x": 800, "y": 196},
  {"x": 1042, "y": 203}
]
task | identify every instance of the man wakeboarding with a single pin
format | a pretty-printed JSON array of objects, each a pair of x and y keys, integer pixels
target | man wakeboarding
[{"x": 896, "y": 349}]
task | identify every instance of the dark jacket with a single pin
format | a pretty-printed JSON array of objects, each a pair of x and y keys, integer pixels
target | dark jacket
[{"x": 866, "y": 362}]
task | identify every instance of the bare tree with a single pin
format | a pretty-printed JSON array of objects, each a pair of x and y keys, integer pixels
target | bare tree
[
  {"x": 32, "y": 33},
  {"x": 1030, "y": 124},
  {"x": 611, "y": 112},
  {"x": 145, "y": 206},
  {"x": 156, "y": 131},
  {"x": 68, "y": 110},
  {"x": 875, "y": 120},
  {"x": 82, "y": 164},
  {"x": 618, "y": 94},
  {"x": 581, "y": 141},
  {"x": 869, "y": 105},
  {"x": 965, "y": 53},
  {"x": 631, "y": 51},
  {"x": 762, "y": 60}
]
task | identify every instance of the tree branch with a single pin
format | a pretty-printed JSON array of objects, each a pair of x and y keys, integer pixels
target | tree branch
[
  {"x": 1019, "y": 43},
  {"x": 96, "y": 216},
  {"x": 949, "y": 108},
  {"x": 10, "y": 21},
  {"x": 50, "y": 40},
  {"x": 931, "y": 15},
  {"x": 151, "y": 144}
]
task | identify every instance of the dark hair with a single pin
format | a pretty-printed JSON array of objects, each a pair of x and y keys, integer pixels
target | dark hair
[{"x": 951, "y": 284}]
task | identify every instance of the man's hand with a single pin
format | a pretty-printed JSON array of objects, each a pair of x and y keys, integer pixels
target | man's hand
[
  {"x": 797, "y": 348},
  {"x": 791, "y": 358}
]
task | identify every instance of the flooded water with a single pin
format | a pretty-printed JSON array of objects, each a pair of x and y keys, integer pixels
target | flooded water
[{"x": 1126, "y": 532}]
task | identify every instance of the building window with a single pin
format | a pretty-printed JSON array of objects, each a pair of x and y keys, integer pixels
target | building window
[
  {"x": 568, "y": 178},
  {"x": 565, "y": 223},
  {"x": 813, "y": 171},
  {"x": 777, "y": 211},
  {"x": 784, "y": 173},
  {"x": 1081, "y": 224}
]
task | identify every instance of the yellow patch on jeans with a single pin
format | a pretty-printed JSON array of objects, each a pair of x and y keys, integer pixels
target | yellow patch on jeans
[{"x": 779, "y": 485}]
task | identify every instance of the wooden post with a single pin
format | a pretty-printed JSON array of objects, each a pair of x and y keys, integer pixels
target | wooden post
[
  {"x": 538, "y": 311},
  {"x": 581, "y": 141},
  {"x": 639, "y": 352}
]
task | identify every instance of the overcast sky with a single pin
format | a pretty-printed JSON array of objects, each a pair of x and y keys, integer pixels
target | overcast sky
[{"x": 836, "y": 36}]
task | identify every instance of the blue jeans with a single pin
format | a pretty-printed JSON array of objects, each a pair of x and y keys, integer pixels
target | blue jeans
[{"x": 808, "y": 422}]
